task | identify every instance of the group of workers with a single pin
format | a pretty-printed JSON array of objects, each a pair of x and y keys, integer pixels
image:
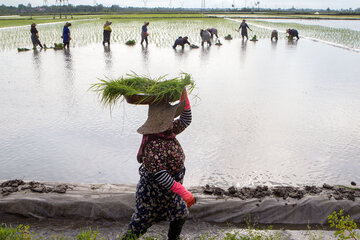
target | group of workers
[{"x": 205, "y": 35}]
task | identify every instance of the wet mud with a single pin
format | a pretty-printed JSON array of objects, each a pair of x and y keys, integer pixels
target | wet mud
[
  {"x": 336, "y": 192},
  {"x": 16, "y": 185}
]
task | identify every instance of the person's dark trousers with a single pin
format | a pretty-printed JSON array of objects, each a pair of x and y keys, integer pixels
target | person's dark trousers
[{"x": 175, "y": 229}]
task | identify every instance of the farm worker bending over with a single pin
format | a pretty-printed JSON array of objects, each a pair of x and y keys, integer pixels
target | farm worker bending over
[
  {"x": 144, "y": 33},
  {"x": 205, "y": 37},
  {"x": 293, "y": 33},
  {"x": 244, "y": 28},
  {"x": 213, "y": 31},
  {"x": 66, "y": 35},
  {"x": 181, "y": 41},
  {"x": 35, "y": 36},
  {"x": 160, "y": 194},
  {"x": 107, "y": 32}
]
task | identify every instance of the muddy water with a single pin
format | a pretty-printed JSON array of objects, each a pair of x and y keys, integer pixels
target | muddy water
[{"x": 267, "y": 113}]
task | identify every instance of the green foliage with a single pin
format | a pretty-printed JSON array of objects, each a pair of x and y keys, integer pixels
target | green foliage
[
  {"x": 345, "y": 228},
  {"x": 228, "y": 37},
  {"x": 89, "y": 234},
  {"x": 23, "y": 49},
  {"x": 130, "y": 42},
  {"x": 21, "y": 232},
  {"x": 153, "y": 90},
  {"x": 58, "y": 45}
]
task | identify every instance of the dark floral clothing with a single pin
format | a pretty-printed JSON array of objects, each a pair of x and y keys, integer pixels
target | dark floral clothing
[
  {"x": 163, "y": 151},
  {"x": 155, "y": 204}
]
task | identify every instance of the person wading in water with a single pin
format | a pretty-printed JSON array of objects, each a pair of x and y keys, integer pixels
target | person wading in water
[
  {"x": 160, "y": 194},
  {"x": 243, "y": 26},
  {"x": 35, "y": 36}
]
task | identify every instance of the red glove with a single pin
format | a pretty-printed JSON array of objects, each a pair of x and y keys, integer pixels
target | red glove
[
  {"x": 184, "y": 96},
  {"x": 179, "y": 189}
]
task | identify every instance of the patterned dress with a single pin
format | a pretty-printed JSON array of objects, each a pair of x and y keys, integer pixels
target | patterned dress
[{"x": 154, "y": 203}]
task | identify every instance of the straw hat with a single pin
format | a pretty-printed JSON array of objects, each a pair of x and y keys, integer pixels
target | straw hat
[
  {"x": 161, "y": 117},
  {"x": 108, "y": 23}
]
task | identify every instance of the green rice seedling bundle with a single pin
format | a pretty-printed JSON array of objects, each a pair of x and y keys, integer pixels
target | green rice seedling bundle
[
  {"x": 23, "y": 49},
  {"x": 58, "y": 46},
  {"x": 194, "y": 46},
  {"x": 254, "y": 38},
  {"x": 290, "y": 38},
  {"x": 138, "y": 89},
  {"x": 218, "y": 43},
  {"x": 130, "y": 42},
  {"x": 228, "y": 37}
]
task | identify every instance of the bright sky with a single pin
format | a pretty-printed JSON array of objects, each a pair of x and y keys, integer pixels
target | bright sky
[{"x": 321, "y": 4}]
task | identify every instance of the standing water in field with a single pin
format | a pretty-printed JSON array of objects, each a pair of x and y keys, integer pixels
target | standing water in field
[{"x": 267, "y": 113}]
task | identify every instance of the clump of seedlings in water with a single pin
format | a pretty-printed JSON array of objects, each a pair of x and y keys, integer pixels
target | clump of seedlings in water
[
  {"x": 228, "y": 37},
  {"x": 138, "y": 89},
  {"x": 194, "y": 46},
  {"x": 218, "y": 43},
  {"x": 254, "y": 38},
  {"x": 23, "y": 49},
  {"x": 58, "y": 46},
  {"x": 130, "y": 42}
]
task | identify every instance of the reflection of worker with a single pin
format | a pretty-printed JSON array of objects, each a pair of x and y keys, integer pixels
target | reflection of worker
[
  {"x": 213, "y": 31},
  {"x": 181, "y": 41},
  {"x": 205, "y": 37},
  {"x": 35, "y": 36},
  {"x": 144, "y": 33},
  {"x": 160, "y": 194},
  {"x": 107, "y": 32},
  {"x": 244, "y": 28},
  {"x": 66, "y": 35},
  {"x": 293, "y": 33}
]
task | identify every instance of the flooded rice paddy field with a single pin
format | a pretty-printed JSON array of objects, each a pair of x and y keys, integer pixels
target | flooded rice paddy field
[{"x": 284, "y": 113}]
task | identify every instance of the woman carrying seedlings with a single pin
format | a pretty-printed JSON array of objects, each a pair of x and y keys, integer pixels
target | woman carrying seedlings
[
  {"x": 35, "y": 36},
  {"x": 160, "y": 194},
  {"x": 107, "y": 32},
  {"x": 66, "y": 35},
  {"x": 144, "y": 33},
  {"x": 243, "y": 26}
]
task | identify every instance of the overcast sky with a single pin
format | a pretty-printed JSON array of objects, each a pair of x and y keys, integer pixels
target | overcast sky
[{"x": 322, "y": 4}]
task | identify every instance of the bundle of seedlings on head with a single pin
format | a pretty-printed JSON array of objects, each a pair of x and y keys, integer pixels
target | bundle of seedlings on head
[
  {"x": 142, "y": 89},
  {"x": 130, "y": 42}
]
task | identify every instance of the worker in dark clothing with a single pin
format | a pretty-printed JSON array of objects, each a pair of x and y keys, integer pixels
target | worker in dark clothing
[
  {"x": 243, "y": 26},
  {"x": 35, "y": 36},
  {"x": 213, "y": 31},
  {"x": 293, "y": 33},
  {"x": 181, "y": 41}
]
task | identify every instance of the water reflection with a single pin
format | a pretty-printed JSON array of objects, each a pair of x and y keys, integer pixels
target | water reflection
[
  {"x": 37, "y": 64},
  {"x": 69, "y": 71},
  {"x": 108, "y": 58},
  {"x": 145, "y": 55},
  {"x": 291, "y": 44}
]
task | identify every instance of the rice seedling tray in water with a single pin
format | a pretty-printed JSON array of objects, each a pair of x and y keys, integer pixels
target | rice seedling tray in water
[{"x": 137, "y": 89}]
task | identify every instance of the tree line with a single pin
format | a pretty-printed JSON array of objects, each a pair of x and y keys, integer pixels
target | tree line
[{"x": 54, "y": 9}]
